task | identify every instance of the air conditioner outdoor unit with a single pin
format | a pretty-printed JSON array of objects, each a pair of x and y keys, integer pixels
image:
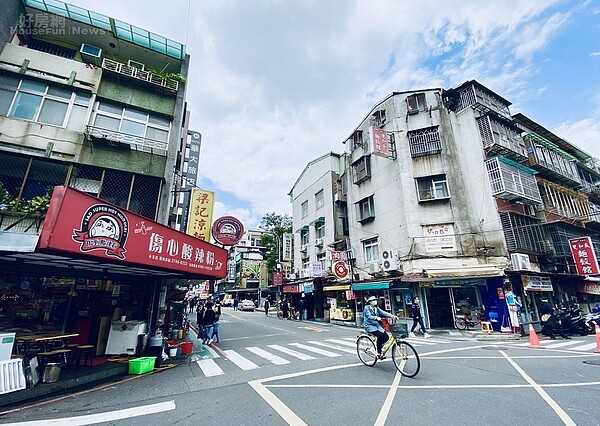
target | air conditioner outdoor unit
[
  {"x": 520, "y": 262},
  {"x": 319, "y": 242},
  {"x": 304, "y": 247},
  {"x": 90, "y": 53},
  {"x": 389, "y": 260},
  {"x": 304, "y": 273},
  {"x": 135, "y": 64},
  {"x": 374, "y": 268}
]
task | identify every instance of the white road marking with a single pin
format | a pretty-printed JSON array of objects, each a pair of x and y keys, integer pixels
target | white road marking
[
  {"x": 105, "y": 417},
  {"x": 387, "y": 404},
  {"x": 562, "y": 344},
  {"x": 557, "y": 408},
  {"x": 280, "y": 408},
  {"x": 318, "y": 330},
  {"x": 209, "y": 367},
  {"x": 315, "y": 350},
  {"x": 291, "y": 352},
  {"x": 240, "y": 361},
  {"x": 343, "y": 342},
  {"x": 329, "y": 345},
  {"x": 587, "y": 347},
  {"x": 277, "y": 360}
]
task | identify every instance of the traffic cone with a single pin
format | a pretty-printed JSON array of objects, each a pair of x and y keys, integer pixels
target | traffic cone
[
  {"x": 597, "y": 338},
  {"x": 534, "y": 342}
]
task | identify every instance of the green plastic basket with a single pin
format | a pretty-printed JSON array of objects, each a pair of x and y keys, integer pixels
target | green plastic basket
[{"x": 141, "y": 365}]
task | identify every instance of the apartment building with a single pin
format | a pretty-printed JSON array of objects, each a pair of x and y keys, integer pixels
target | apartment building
[
  {"x": 91, "y": 116},
  {"x": 451, "y": 198}
]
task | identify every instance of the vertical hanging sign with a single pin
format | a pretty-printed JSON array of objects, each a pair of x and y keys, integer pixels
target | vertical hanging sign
[
  {"x": 201, "y": 212},
  {"x": 380, "y": 142},
  {"x": 584, "y": 256}
]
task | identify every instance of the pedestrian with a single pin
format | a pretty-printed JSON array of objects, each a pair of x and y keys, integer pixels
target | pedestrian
[
  {"x": 301, "y": 309},
  {"x": 217, "y": 309},
  {"x": 207, "y": 323},
  {"x": 285, "y": 307},
  {"x": 199, "y": 319},
  {"x": 549, "y": 321},
  {"x": 417, "y": 318},
  {"x": 215, "y": 328},
  {"x": 236, "y": 302},
  {"x": 267, "y": 305}
]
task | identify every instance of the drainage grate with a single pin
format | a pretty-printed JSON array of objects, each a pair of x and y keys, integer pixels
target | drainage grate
[
  {"x": 495, "y": 348},
  {"x": 592, "y": 362}
]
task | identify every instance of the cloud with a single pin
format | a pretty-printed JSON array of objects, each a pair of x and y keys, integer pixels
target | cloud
[{"x": 583, "y": 133}]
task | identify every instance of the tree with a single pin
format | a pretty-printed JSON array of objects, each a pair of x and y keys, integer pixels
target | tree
[{"x": 278, "y": 225}]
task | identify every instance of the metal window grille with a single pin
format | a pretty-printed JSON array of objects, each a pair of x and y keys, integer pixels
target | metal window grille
[
  {"x": 523, "y": 233},
  {"x": 424, "y": 142}
]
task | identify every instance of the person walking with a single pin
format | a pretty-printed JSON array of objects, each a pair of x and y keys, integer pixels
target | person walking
[
  {"x": 267, "y": 305},
  {"x": 199, "y": 319},
  {"x": 207, "y": 323},
  {"x": 301, "y": 309},
  {"x": 549, "y": 321},
  {"x": 236, "y": 302},
  {"x": 215, "y": 328},
  {"x": 417, "y": 319},
  {"x": 285, "y": 308}
]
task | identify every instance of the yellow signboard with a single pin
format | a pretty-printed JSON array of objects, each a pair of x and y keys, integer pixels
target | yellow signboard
[{"x": 201, "y": 212}]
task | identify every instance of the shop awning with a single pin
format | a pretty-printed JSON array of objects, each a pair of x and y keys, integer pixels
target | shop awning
[
  {"x": 465, "y": 272},
  {"x": 371, "y": 286},
  {"x": 336, "y": 287}
]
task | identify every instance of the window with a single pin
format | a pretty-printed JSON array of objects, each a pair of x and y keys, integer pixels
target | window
[
  {"x": 380, "y": 118},
  {"x": 416, "y": 103},
  {"x": 44, "y": 103},
  {"x": 362, "y": 169},
  {"x": 365, "y": 209},
  {"x": 304, "y": 208},
  {"x": 432, "y": 188},
  {"x": 132, "y": 122},
  {"x": 319, "y": 200},
  {"x": 304, "y": 236},
  {"x": 320, "y": 229},
  {"x": 357, "y": 139},
  {"x": 371, "y": 250},
  {"x": 424, "y": 142},
  {"x": 322, "y": 259}
]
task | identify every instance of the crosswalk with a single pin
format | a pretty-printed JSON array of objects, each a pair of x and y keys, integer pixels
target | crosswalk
[
  {"x": 253, "y": 357},
  {"x": 570, "y": 345}
]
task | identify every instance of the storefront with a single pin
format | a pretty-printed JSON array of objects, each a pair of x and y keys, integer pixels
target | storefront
[
  {"x": 94, "y": 264},
  {"x": 339, "y": 303},
  {"x": 589, "y": 294}
]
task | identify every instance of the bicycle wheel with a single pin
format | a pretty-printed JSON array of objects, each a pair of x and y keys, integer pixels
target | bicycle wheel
[
  {"x": 460, "y": 323},
  {"x": 367, "y": 351},
  {"x": 406, "y": 359}
]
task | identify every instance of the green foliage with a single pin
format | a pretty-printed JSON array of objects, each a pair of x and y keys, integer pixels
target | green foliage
[
  {"x": 168, "y": 75},
  {"x": 5, "y": 196},
  {"x": 278, "y": 225},
  {"x": 38, "y": 204}
]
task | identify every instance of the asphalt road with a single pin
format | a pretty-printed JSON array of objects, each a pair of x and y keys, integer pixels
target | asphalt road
[{"x": 266, "y": 371}]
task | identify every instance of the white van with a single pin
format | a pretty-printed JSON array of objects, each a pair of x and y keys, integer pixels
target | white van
[{"x": 227, "y": 300}]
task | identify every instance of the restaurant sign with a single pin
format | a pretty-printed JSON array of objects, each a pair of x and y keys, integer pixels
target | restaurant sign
[
  {"x": 536, "y": 283},
  {"x": 79, "y": 223},
  {"x": 584, "y": 256}
]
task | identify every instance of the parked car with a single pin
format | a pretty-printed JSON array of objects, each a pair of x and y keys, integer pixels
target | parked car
[
  {"x": 247, "y": 305},
  {"x": 227, "y": 300}
]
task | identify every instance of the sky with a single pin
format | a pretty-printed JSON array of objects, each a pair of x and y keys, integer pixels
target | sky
[{"x": 275, "y": 84}]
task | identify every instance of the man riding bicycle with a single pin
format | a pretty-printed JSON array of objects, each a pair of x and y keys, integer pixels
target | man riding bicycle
[{"x": 372, "y": 317}]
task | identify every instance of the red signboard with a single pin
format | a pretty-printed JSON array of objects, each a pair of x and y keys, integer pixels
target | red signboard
[
  {"x": 227, "y": 230},
  {"x": 380, "y": 140},
  {"x": 338, "y": 255},
  {"x": 78, "y": 223},
  {"x": 340, "y": 270},
  {"x": 277, "y": 278},
  {"x": 584, "y": 256},
  {"x": 291, "y": 288}
]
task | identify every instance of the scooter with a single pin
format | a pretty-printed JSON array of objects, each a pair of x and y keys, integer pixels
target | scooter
[{"x": 573, "y": 322}]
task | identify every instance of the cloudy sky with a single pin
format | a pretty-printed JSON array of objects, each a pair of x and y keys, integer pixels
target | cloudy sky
[{"x": 274, "y": 84}]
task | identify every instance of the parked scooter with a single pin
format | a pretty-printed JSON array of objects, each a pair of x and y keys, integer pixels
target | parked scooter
[
  {"x": 573, "y": 321},
  {"x": 592, "y": 320}
]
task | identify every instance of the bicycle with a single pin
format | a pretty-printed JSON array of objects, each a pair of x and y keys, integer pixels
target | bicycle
[
  {"x": 404, "y": 355},
  {"x": 464, "y": 322}
]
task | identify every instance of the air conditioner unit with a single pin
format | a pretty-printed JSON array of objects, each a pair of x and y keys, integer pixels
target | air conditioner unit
[
  {"x": 520, "y": 262},
  {"x": 389, "y": 260},
  {"x": 304, "y": 248},
  {"x": 90, "y": 53},
  {"x": 374, "y": 268},
  {"x": 305, "y": 273},
  {"x": 319, "y": 242}
]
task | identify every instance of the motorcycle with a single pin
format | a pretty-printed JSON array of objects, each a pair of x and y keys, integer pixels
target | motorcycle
[
  {"x": 573, "y": 322},
  {"x": 592, "y": 320}
]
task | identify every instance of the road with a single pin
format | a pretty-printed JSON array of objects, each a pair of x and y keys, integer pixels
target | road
[{"x": 267, "y": 371}]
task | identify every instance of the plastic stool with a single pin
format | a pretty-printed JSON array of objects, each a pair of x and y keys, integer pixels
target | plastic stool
[
  {"x": 85, "y": 351},
  {"x": 487, "y": 327}
]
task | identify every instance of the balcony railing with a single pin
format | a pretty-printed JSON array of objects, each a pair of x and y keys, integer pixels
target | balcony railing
[
  {"x": 512, "y": 181},
  {"x": 138, "y": 74},
  {"x": 555, "y": 161},
  {"x": 424, "y": 142},
  {"x": 138, "y": 142}
]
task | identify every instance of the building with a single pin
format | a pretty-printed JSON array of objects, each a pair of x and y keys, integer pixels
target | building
[
  {"x": 451, "y": 198},
  {"x": 91, "y": 112}
]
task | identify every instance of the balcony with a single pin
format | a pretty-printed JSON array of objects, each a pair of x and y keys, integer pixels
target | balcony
[
  {"x": 512, "y": 181},
  {"x": 563, "y": 201},
  {"x": 590, "y": 189},
  {"x": 552, "y": 161},
  {"x": 501, "y": 138},
  {"x": 424, "y": 142},
  {"x": 140, "y": 75},
  {"x": 140, "y": 143}
]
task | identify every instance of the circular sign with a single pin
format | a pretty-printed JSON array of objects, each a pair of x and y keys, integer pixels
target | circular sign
[
  {"x": 227, "y": 230},
  {"x": 340, "y": 270}
]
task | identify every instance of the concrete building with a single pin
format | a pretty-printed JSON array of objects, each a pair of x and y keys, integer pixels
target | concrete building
[
  {"x": 451, "y": 198},
  {"x": 91, "y": 116}
]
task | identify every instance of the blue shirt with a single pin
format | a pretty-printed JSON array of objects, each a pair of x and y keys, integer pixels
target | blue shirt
[{"x": 370, "y": 317}]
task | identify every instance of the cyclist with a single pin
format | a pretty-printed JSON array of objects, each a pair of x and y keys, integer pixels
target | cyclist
[{"x": 372, "y": 317}]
